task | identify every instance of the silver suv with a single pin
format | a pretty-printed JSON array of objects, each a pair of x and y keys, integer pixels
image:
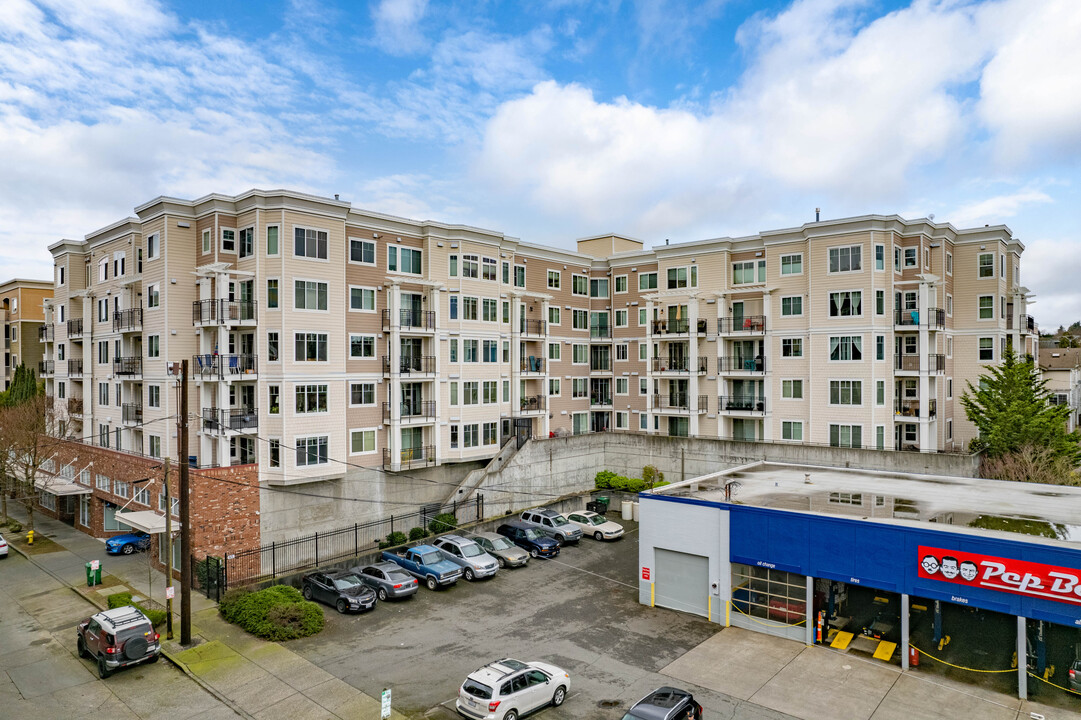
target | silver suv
[
  {"x": 553, "y": 525},
  {"x": 117, "y": 638},
  {"x": 508, "y": 689},
  {"x": 469, "y": 555}
]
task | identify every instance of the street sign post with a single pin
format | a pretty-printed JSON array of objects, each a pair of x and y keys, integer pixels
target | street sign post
[
  {"x": 170, "y": 592},
  {"x": 385, "y": 714}
]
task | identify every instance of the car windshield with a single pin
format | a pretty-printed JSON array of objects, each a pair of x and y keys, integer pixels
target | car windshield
[
  {"x": 559, "y": 520},
  {"x": 598, "y": 520},
  {"x": 501, "y": 544},
  {"x": 430, "y": 558},
  {"x": 471, "y": 550},
  {"x": 476, "y": 689},
  {"x": 532, "y": 534},
  {"x": 346, "y": 582}
]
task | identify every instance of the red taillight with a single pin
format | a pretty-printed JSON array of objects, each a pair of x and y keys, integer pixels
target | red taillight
[
  {"x": 156, "y": 636},
  {"x": 1073, "y": 673},
  {"x": 493, "y": 705},
  {"x": 398, "y": 586},
  {"x": 110, "y": 650}
]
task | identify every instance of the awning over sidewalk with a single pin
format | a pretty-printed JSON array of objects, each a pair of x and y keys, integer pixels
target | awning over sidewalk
[
  {"x": 58, "y": 487},
  {"x": 146, "y": 520}
]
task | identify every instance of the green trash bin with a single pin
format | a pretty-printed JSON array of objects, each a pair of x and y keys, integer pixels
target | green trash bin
[
  {"x": 93, "y": 576},
  {"x": 602, "y": 504}
]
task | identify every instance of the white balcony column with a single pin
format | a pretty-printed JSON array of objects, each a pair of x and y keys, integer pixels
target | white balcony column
[
  {"x": 767, "y": 376},
  {"x": 517, "y": 328},
  {"x": 394, "y": 385},
  {"x": 649, "y": 364},
  {"x": 546, "y": 418},
  {"x": 692, "y": 363},
  {"x": 88, "y": 351},
  {"x": 1015, "y": 334},
  {"x": 924, "y": 298}
]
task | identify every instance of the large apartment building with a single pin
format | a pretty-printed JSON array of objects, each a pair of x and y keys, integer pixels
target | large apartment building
[
  {"x": 322, "y": 339},
  {"x": 23, "y": 303}
]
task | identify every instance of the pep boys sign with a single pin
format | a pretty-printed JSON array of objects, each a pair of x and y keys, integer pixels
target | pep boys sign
[{"x": 1002, "y": 574}]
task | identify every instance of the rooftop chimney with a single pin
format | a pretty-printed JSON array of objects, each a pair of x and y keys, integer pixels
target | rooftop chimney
[
  {"x": 818, "y": 212},
  {"x": 335, "y": 196}
]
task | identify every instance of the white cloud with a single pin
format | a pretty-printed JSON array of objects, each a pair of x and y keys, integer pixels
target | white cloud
[
  {"x": 397, "y": 25},
  {"x": 996, "y": 209}
]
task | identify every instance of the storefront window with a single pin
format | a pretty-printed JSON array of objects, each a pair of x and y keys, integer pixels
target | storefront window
[{"x": 770, "y": 594}]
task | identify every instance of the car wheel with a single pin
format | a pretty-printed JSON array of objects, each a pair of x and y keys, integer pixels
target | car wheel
[
  {"x": 103, "y": 670},
  {"x": 431, "y": 583},
  {"x": 382, "y": 594},
  {"x": 342, "y": 606},
  {"x": 154, "y": 658},
  {"x": 128, "y": 549},
  {"x": 469, "y": 574},
  {"x": 559, "y": 697},
  {"x": 511, "y": 715},
  {"x": 82, "y": 649},
  {"x": 598, "y": 536},
  {"x": 307, "y": 592},
  {"x": 534, "y": 553},
  {"x": 502, "y": 562}
]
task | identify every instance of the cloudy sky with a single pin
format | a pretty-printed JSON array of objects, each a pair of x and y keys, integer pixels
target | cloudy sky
[{"x": 553, "y": 119}]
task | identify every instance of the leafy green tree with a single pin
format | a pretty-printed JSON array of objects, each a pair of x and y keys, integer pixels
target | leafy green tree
[
  {"x": 1010, "y": 408},
  {"x": 1067, "y": 340},
  {"x": 24, "y": 386}
]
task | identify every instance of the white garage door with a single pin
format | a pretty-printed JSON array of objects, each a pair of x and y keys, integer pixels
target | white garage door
[{"x": 682, "y": 582}]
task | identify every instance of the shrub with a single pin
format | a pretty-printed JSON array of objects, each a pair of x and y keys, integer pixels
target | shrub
[
  {"x": 443, "y": 522},
  {"x": 122, "y": 599},
  {"x": 418, "y": 533},
  {"x": 206, "y": 570},
  {"x": 608, "y": 480},
  {"x": 278, "y": 612},
  {"x": 651, "y": 476},
  {"x": 394, "y": 538},
  {"x": 119, "y": 599},
  {"x": 15, "y": 526},
  {"x": 156, "y": 617}
]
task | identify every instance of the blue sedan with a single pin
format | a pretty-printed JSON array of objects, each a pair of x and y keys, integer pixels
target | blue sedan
[{"x": 127, "y": 543}]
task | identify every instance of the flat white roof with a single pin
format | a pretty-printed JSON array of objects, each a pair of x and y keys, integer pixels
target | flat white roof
[{"x": 148, "y": 521}]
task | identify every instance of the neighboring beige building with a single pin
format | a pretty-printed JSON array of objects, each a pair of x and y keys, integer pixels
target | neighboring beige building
[
  {"x": 23, "y": 305},
  {"x": 1061, "y": 368},
  {"x": 322, "y": 337}
]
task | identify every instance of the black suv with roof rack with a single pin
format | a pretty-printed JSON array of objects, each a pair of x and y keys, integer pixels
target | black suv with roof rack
[{"x": 118, "y": 638}]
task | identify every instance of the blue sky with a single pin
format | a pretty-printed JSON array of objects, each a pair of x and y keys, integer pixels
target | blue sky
[{"x": 551, "y": 120}]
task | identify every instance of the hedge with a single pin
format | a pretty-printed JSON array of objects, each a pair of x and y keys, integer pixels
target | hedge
[
  {"x": 608, "y": 480},
  {"x": 122, "y": 599},
  {"x": 442, "y": 523},
  {"x": 278, "y": 612}
]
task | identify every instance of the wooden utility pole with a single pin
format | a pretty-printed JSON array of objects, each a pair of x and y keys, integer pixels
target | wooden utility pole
[
  {"x": 185, "y": 516},
  {"x": 168, "y": 555}
]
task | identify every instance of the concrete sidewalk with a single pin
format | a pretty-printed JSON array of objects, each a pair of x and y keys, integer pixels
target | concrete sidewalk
[{"x": 256, "y": 678}]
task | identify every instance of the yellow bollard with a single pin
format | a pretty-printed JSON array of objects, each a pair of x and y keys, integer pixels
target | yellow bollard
[{"x": 30, "y": 537}]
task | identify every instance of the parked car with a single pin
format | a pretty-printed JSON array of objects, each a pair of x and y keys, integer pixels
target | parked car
[
  {"x": 3, "y": 547},
  {"x": 1075, "y": 669},
  {"x": 127, "y": 543},
  {"x": 426, "y": 563},
  {"x": 343, "y": 590},
  {"x": 388, "y": 580},
  {"x": 118, "y": 638},
  {"x": 553, "y": 525},
  {"x": 506, "y": 553},
  {"x": 665, "y": 703},
  {"x": 596, "y": 526},
  {"x": 533, "y": 541},
  {"x": 475, "y": 563},
  {"x": 508, "y": 689}
]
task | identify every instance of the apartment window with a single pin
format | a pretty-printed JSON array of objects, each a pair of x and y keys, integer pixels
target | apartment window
[
  {"x": 880, "y": 302},
  {"x": 60, "y": 351},
  {"x": 553, "y": 351},
  {"x": 453, "y": 307},
  {"x": 103, "y": 309},
  {"x": 643, "y": 350},
  {"x": 272, "y": 346},
  {"x": 361, "y": 394},
  {"x": 846, "y": 304},
  {"x": 454, "y": 394},
  {"x": 791, "y": 430},
  {"x": 792, "y": 347},
  {"x": 643, "y": 421},
  {"x": 553, "y": 279},
  {"x": 153, "y": 247},
  {"x": 553, "y": 316},
  {"x": 490, "y": 351},
  {"x": 312, "y": 451},
  {"x": 506, "y": 273},
  {"x": 621, "y": 283},
  {"x": 949, "y": 388},
  {"x": 846, "y": 392},
  {"x": 743, "y": 272},
  {"x": 792, "y": 264},
  {"x": 103, "y": 393},
  {"x": 643, "y": 386},
  {"x": 880, "y": 392},
  {"x": 247, "y": 243},
  {"x": 846, "y": 348},
  {"x": 880, "y": 347},
  {"x": 490, "y": 392},
  {"x": 471, "y": 266},
  {"x": 949, "y": 429},
  {"x": 985, "y": 265},
  {"x": 579, "y": 319},
  {"x": 309, "y": 295},
  {"x": 622, "y": 386},
  {"x": 553, "y": 387},
  {"x": 361, "y": 251},
  {"x": 153, "y": 346},
  {"x": 102, "y": 482},
  {"x": 598, "y": 288},
  {"x": 506, "y": 312},
  {"x": 488, "y": 269},
  {"x": 489, "y": 310},
  {"x": 949, "y": 263},
  {"x": 845, "y": 259},
  {"x": 404, "y": 260},
  {"x": 642, "y": 317},
  {"x": 880, "y": 257},
  {"x": 275, "y": 446},
  {"x": 469, "y": 308},
  {"x": 621, "y": 351},
  {"x": 1002, "y": 306},
  {"x": 311, "y": 399},
  {"x": 987, "y": 307},
  {"x": 361, "y": 346},
  {"x": 272, "y": 241},
  {"x": 362, "y": 299},
  {"x": 506, "y": 391},
  {"x": 103, "y": 352},
  {"x": 453, "y": 350},
  {"x": 361, "y": 442},
  {"x": 949, "y": 305},
  {"x": 621, "y": 318},
  {"x": 926, "y": 259},
  {"x": 846, "y": 436},
  {"x": 274, "y": 398},
  {"x": 1002, "y": 266},
  {"x": 154, "y": 446},
  {"x": 519, "y": 276},
  {"x": 103, "y": 270},
  {"x": 469, "y": 351},
  {"x": 310, "y": 347},
  {"x": 647, "y": 281},
  {"x": 910, "y": 257},
  {"x": 579, "y": 354},
  {"x": 987, "y": 348},
  {"x": 452, "y": 265},
  {"x": 792, "y": 306},
  {"x": 792, "y": 389},
  {"x": 454, "y": 437},
  {"x": 471, "y": 393},
  {"x": 153, "y": 295},
  {"x": 310, "y": 243},
  {"x": 272, "y": 294},
  {"x": 622, "y": 420},
  {"x": 579, "y": 285},
  {"x": 470, "y": 435},
  {"x": 61, "y": 276}
]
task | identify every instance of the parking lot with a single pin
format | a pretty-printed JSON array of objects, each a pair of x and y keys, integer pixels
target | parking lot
[{"x": 579, "y": 611}]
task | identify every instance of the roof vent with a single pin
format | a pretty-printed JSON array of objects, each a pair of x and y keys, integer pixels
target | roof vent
[{"x": 806, "y": 478}]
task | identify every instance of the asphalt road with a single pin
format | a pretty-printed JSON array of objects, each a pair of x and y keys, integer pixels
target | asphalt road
[
  {"x": 579, "y": 612},
  {"x": 41, "y": 677}
]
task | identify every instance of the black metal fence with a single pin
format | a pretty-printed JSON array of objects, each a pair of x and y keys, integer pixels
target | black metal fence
[{"x": 212, "y": 575}]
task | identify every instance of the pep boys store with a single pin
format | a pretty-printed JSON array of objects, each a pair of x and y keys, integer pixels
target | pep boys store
[{"x": 970, "y": 598}]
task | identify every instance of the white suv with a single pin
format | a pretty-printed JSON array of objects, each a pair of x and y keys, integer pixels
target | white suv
[{"x": 507, "y": 689}]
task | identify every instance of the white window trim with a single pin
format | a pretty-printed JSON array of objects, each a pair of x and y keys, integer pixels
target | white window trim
[
  {"x": 267, "y": 302},
  {"x": 615, "y": 386},
  {"x": 548, "y": 279},
  {"x": 848, "y": 425},
  {"x": 787, "y": 297},
  {"x": 904, "y": 257},
  {"x": 874, "y": 247},
  {"x": 149, "y": 288},
  {"x": 780, "y": 348},
  {"x": 297, "y": 333},
  {"x": 375, "y": 443},
  {"x": 626, "y": 315},
  {"x": 578, "y": 345},
  {"x": 627, "y": 282},
  {"x": 280, "y": 240},
  {"x": 349, "y": 393},
  {"x": 803, "y": 394},
  {"x": 845, "y": 272},
  {"x": 844, "y": 405},
  {"x": 798, "y": 421},
  {"x": 949, "y": 305},
  {"x": 583, "y": 277},
  {"x": 254, "y": 242},
  {"x": 949, "y": 263},
  {"x": 993, "y": 317},
  {"x": 349, "y": 348},
  {"x": 656, "y": 285},
  {"x": 898, "y": 259},
  {"x": 375, "y": 299},
  {"x": 293, "y": 245},
  {"x": 315, "y": 413},
  {"x": 349, "y": 252},
  {"x": 780, "y": 264},
  {"x": 992, "y": 276},
  {"x": 400, "y": 272},
  {"x": 559, "y": 383},
  {"x": 559, "y": 312},
  {"x": 293, "y": 290},
  {"x": 221, "y": 241},
  {"x": 986, "y": 337},
  {"x": 297, "y": 439},
  {"x": 829, "y": 303},
  {"x": 157, "y": 246},
  {"x": 829, "y": 342}
]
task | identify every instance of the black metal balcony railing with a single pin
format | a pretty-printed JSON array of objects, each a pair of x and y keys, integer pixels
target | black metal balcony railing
[
  {"x": 132, "y": 412},
  {"x": 600, "y": 364},
  {"x": 46, "y": 333},
  {"x": 46, "y": 367},
  {"x": 933, "y": 318},
  {"x": 911, "y": 407},
  {"x": 422, "y": 364},
  {"x": 670, "y": 364},
  {"x": 678, "y": 401},
  {"x": 75, "y": 328},
  {"x": 410, "y": 319},
  {"x": 532, "y": 327},
  {"x": 127, "y": 366},
  {"x": 676, "y": 326},
  {"x": 130, "y": 320},
  {"x": 410, "y": 457},
  {"x": 410, "y": 410},
  {"x": 205, "y": 312},
  {"x": 743, "y": 403},
  {"x": 211, "y": 366},
  {"x": 533, "y": 403},
  {"x": 600, "y": 332},
  {"x": 1028, "y": 323},
  {"x": 75, "y": 406},
  {"x": 532, "y": 364},
  {"x": 600, "y": 400},
  {"x": 750, "y": 324},
  {"x": 222, "y": 419},
  {"x": 75, "y": 367},
  {"x": 741, "y": 364},
  {"x": 936, "y": 363}
]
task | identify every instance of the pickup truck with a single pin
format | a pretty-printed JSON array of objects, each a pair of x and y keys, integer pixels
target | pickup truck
[{"x": 426, "y": 563}]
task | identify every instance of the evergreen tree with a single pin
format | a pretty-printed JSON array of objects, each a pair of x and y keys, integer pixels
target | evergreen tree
[{"x": 24, "y": 386}]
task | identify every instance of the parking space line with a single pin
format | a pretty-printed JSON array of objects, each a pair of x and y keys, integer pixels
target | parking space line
[{"x": 590, "y": 572}]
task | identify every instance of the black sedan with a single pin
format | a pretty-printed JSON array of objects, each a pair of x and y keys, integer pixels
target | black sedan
[
  {"x": 343, "y": 590},
  {"x": 666, "y": 703},
  {"x": 388, "y": 580}
]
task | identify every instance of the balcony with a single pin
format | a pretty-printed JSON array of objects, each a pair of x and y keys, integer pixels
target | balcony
[
  {"x": 222, "y": 420},
  {"x": 532, "y": 328},
  {"x": 46, "y": 368},
  {"x": 741, "y": 403},
  {"x": 411, "y": 364},
  {"x": 222, "y": 312},
  {"x": 741, "y": 365},
  {"x": 225, "y": 367},
  {"x": 532, "y": 364},
  {"x": 1028, "y": 325},
  {"x": 75, "y": 406},
  {"x": 411, "y": 320},
  {"x": 411, "y": 411},
  {"x": 600, "y": 332},
  {"x": 600, "y": 400},
  {"x": 936, "y": 363},
  {"x": 410, "y": 457},
  {"x": 128, "y": 320},
  {"x": 935, "y": 318},
  {"x": 46, "y": 333},
  {"x": 132, "y": 413},
  {"x": 75, "y": 329},
  {"x": 600, "y": 364},
  {"x": 679, "y": 402},
  {"x": 128, "y": 366},
  {"x": 532, "y": 404},
  {"x": 910, "y": 408},
  {"x": 746, "y": 325},
  {"x": 680, "y": 365},
  {"x": 75, "y": 368}
]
